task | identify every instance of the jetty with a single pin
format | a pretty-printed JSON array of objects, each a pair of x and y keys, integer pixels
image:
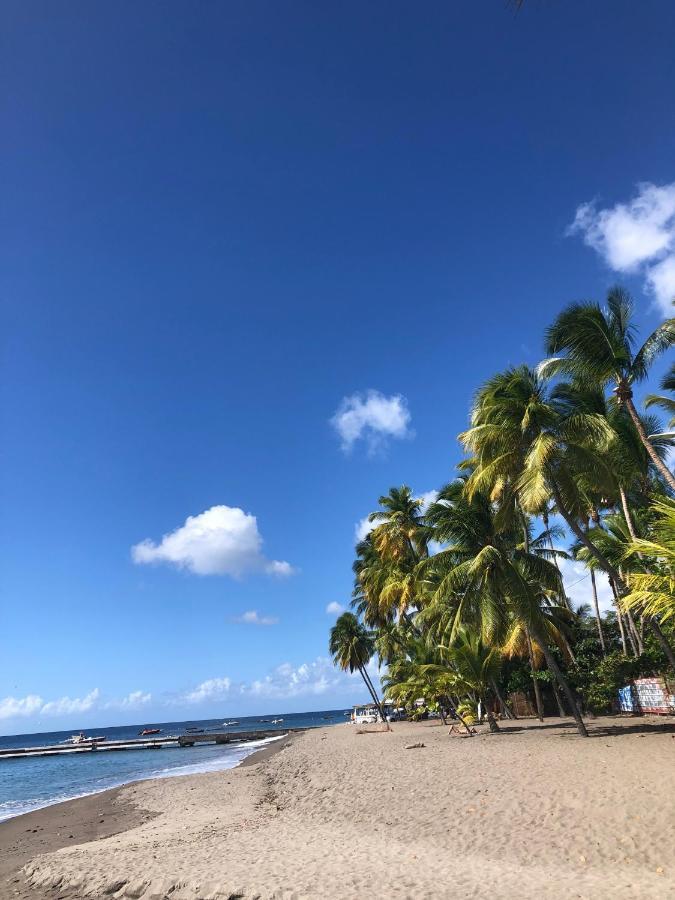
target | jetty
[{"x": 155, "y": 743}]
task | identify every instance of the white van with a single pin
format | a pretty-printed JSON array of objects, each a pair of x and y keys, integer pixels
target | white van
[{"x": 365, "y": 715}]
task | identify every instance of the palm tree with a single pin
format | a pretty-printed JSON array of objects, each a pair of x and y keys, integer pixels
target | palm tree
[
  {"x": 666, "y": 403},
  {"x": 399, "y": 533},
  {"x": 477, "y": 667},
  {"x": 526, "y": 446},
  {"x": 599, "y": 348},
  {"x": 485, "y": 580},
  {"x": 653, "y": 592},
  {"x": 352, "y": 646}
]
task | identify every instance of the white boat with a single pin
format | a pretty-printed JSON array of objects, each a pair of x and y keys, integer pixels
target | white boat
[
  {"x": 277, "y": 721},
  {"x": 81, "y": 738},
  {"x": 233, "y": 722}
]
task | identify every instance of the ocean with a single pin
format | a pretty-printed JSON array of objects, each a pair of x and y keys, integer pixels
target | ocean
[{"x": 33, "y": 782}]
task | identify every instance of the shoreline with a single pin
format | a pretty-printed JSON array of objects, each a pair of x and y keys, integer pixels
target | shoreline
[
  {"x": 82, "y": 820},
  {"x": 532, "y": 811}
]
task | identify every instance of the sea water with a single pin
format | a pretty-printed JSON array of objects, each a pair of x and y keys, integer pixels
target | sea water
[{"x": 33, "y": 782}]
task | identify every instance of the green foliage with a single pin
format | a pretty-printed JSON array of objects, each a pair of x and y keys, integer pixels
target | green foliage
[{"x": 487, "y": 612}]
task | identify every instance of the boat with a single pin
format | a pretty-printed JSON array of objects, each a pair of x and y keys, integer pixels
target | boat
[
  {"x": 277, "y": 721},
  {"x": 194, "y": 730},
  {"x": 149, "y": 731},
  {"x": 81, "y": 738},
  {"x": 233, "y": 722}
]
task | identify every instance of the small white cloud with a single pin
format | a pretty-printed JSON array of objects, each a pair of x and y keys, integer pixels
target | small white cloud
[
  {"x": 371, "y": 417},
  {"x": 636, "y": 236},
  {"x": 18, "y": 707},
  {"x": 223, "y": 540},
  {"x": 334, "y": 609},
  {"x": 66, "y": 706},
  {"x": 212, "y": 689},
  {"x": 252, "y": 617}
]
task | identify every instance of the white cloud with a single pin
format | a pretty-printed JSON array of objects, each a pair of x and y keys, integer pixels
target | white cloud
[
  {"x": 334, "y": 609},
  {"x": 636, "y": 236},
  {"x": 427, "y": 498},
  {"x": 371, "y": 417},
  {"x": 17, "y": 707},
  {"x": 34, "y": 705},
  {"x": 286, "y": 681},
  {"x": 212, "y": 689},
  {"x": 134, "y": 700},
  {"x": 223, "y": 540},
  {"x": 308, "y": 679},
  {"x": 362, "y": 529},
  {"x": 67, "y": 706},
  {"x": 578, "y": 587},
  {"x": 252, "y": 617}
]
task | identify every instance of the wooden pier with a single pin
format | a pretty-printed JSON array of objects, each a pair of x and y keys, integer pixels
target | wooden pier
[{"x": 155, "y": 743}]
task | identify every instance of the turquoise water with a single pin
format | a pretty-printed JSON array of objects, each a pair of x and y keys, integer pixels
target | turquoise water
[{"x": 31, "y": 783}]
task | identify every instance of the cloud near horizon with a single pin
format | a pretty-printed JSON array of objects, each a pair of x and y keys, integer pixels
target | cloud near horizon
[
  {"x": 373, "y": 418},
  {"x": 35, "y": 705},
  {"x": 223, "y": 540},
  {"x": 638, "y": 236}
]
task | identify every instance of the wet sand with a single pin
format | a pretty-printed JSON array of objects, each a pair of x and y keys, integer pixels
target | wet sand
[
  {"x": 533, "y": 812},
  {"x": 75, "y": 822}
]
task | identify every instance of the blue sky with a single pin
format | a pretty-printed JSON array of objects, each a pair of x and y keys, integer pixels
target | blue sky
[{"x": 220, "y": 223}]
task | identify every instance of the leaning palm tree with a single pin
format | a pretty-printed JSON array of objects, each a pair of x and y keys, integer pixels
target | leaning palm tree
[
  {"x": 485, "y": 579},
  {"x": 477, "y": 667},
  {"x": 599, "y": 347},
  {"x": 352, "y": 646}
]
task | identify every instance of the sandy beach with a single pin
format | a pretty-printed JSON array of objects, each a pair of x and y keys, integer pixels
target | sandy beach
[{"x": 533, "y": 812}]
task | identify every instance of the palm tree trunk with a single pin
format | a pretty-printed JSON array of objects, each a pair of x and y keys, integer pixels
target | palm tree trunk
[
  {"x": 562, "y": 681},
  {"x": 371, "y": 689},
  {"x": 623, "y": 627},
  {"x": 558, "y": 698},
  {"x": 597, "y": 613},
  {"x": 535, "y": 681},
  {"x": 649, "y": 447},
  {"x": 619, "y": 617},
  {"x": 663, "y": 643},
  {"x": 636, "y": 634},
  {"x": 502, "y": 702},
  {"x": 626, "y": 513},
  {"x": 492, "y": 722}
]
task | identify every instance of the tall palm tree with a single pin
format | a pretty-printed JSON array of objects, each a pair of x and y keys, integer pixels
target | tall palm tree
[
  {"x": 352, "y": 646},
  {"x": 599, "y": 347},
  {"x": 526, "y": 446},
  {"x": 399, "y": 533},
  {"x": 485, "y": 579}
]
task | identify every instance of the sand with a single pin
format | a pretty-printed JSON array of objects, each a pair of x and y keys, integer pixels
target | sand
[{"x": 533, "y": 812}]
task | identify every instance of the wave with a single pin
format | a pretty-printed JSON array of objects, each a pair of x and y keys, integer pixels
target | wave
[{"x": 9, "y": 809}]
